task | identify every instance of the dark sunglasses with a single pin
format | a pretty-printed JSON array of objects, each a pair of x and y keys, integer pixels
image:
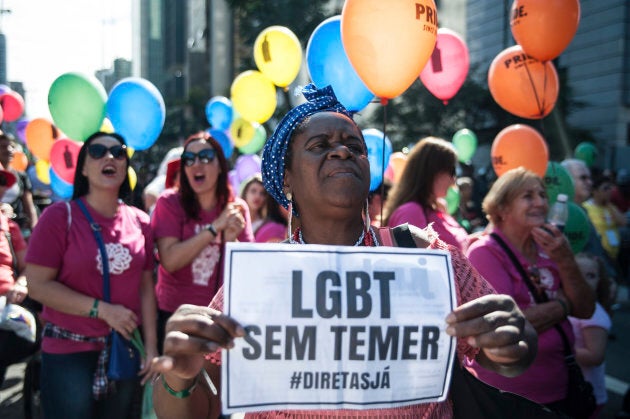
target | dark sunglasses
[
  {"x": 98, "y": 151},
  {"x": 205, "y": 156}
]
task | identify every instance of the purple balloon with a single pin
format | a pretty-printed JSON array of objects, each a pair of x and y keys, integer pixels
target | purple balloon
[
  {"x": 234, "y": 181},
  {"x": 20, "y": 129},
  {"x": 247, "y": 165},
  {"x": 4, "y": 88}
]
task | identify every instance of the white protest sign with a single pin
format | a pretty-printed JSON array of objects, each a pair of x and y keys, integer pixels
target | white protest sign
[{"x": 333, "y": 327}]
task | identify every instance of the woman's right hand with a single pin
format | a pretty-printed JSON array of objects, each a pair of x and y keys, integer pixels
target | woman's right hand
[
  {"x": 119, "y": 318},
  {"x": 191, "y": 333}
]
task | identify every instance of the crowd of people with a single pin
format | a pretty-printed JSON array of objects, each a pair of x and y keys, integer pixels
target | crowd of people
[{"x": 520, "y": 289}]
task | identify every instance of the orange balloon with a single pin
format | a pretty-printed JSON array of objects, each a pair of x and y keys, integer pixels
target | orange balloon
[
  {"x": 40, "y": 134},
  {"x": 523, "y": 85},
  {"x": 19, "y": 162},
  {"x": 544, "y": 28},
  {"x": 388, "y": 42},
  {"x": 519, "y": 145}
]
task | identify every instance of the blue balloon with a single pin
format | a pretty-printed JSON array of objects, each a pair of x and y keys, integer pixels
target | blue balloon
[
  {"x": 379, "y": 150},
  {"x": 219, "y": 112},
  {"x": 328, "y": 64},
  {"x": 224, "y": 140},
  {"x": 60, "y": 187},
  {"x": 136, "y": 110}
]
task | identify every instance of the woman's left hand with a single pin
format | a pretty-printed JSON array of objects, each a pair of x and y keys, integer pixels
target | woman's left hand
[
  {"x": 552, "y": 242},
  {"x": 496, "y": 325},
  {"x": 145, "y": 369}
]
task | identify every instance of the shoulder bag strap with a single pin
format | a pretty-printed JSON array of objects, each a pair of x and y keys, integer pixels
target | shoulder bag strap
[
  {"x": 96, "y": 229},
  {"x": 14, "y": 261},
  {"x": 539, "y": 298}
]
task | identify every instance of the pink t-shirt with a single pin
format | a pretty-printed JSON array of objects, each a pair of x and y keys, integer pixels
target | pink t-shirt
[
  {"x": 68, "y": 245},
  {"x": 469, "y": 285},
  {"x": 595, "y": 375},
  {"x": 198, "y": 282},
  {"x": 6, "y": 259},
  {"x": 446, "y": 226},
  {"x": 271, "y": 231},
  {"x": 546, "y": 379}
]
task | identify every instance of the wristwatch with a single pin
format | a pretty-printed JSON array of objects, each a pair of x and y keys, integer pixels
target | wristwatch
[{"x": 212, "y": 230}]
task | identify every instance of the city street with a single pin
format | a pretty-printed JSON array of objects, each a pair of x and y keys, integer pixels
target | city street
[{"x": 617, "y": 367}]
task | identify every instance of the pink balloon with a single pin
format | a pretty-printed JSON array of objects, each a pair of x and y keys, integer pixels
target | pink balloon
[
  {"x": 63, "y": 158},
  {"x": 12, "y": 105},
  {"x": 447, "y": 69}
]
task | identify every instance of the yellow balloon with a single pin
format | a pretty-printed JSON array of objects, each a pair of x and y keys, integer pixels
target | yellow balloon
[
  {"x": 107, "y": 126},
  {"x": 278, "y": 55},
  {"x": 242, "y": 131},
  {"x": 130, "y": 151},
  {"x": 253, "y": 96},
  {"x": 42, "y": 171},
  {"x": 133, "y": 178}
]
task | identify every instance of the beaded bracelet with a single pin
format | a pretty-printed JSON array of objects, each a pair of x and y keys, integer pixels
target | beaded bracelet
[
  {"x": 182, "y": 394},
  {"x": 94, "y": 309}
]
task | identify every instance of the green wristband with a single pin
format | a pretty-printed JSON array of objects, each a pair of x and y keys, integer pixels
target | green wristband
[
  {"x": 180, "y": 394},
  {"x": 94, "y": 309}
]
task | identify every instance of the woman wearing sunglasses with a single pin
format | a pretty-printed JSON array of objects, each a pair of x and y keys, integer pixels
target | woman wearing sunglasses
[
  {"x": 65, "y": 273},
  {"x": 191, "y": 225}
]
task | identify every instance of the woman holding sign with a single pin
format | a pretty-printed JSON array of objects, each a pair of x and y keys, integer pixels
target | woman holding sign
[{"x": 315, "y": 164}]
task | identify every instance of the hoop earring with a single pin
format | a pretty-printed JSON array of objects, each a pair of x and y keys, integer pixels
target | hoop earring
[{"x": 290, "y": 217}]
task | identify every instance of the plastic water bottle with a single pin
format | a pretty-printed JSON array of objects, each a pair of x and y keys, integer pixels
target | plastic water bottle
[{"x": 559, "y": 212}]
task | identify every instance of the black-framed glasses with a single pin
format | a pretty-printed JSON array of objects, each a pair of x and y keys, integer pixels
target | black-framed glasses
[
  {"x": 98, "y": 151},
  {"x": 205, "y": 156}
]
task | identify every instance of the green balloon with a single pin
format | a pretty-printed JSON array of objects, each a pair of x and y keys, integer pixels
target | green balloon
[
  {"x": 256, "y": 143},
  {"x": 577, "y": 227},
  {"x": 587, "y": 152},
  {"x": 77, "y": 105},
  {"x": 558, "y": 180},
  {"x": 465, "y": 142},
  {"x": 452, "y": 200}
]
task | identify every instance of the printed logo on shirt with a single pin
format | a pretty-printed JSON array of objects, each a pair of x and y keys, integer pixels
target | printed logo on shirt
[
  {"x": 203, "y": 266},
  {"x": 118, "y": 258}
]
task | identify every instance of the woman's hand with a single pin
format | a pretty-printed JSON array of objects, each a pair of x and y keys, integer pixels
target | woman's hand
[
  {"x": 17, "y": 294},
  {"x": 496, "y": 325},
  {"x": 118, "y": 317},
  {"x": 192, "y": 332},
  {"x": 145, "y": 369},
  {"x": 552, "y": 242},
  {"x": 235, "y": 224}
]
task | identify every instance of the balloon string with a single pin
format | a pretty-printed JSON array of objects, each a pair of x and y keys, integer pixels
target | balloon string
[
  {"x": 531, "y": 81},
  {"x": 382, "y": 191}
]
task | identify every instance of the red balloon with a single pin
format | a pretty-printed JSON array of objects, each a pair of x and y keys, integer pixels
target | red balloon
[
  {"x": 63, "y": 158},
  {"x": 522, "y": 85},
  {"x": 448, "y": 66},
  {"x": 12, "y": 105},
  {"x": 519, "y": 145},
  {"x": 544, "y": 28}
]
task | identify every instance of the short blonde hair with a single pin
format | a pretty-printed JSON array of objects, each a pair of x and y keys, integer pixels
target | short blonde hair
[{"x": 505, "y": 189}]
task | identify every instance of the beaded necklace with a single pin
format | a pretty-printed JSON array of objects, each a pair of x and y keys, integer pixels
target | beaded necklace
[{"x": 368, "y": 240}]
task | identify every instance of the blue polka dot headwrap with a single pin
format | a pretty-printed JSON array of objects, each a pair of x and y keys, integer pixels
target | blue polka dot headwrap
[{"x": 275, "y": 150}]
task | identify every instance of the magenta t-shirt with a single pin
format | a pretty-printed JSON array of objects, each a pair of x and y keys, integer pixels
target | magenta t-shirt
[
  {"x": 7, "y": 282},
  {"x": 198, "y": 282},
  {"x": 446, "y": 226},
  {"x": 546, "y": 379},
  {"x": 68, "y": 245},
  {"x": 271, "y": 231}
]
